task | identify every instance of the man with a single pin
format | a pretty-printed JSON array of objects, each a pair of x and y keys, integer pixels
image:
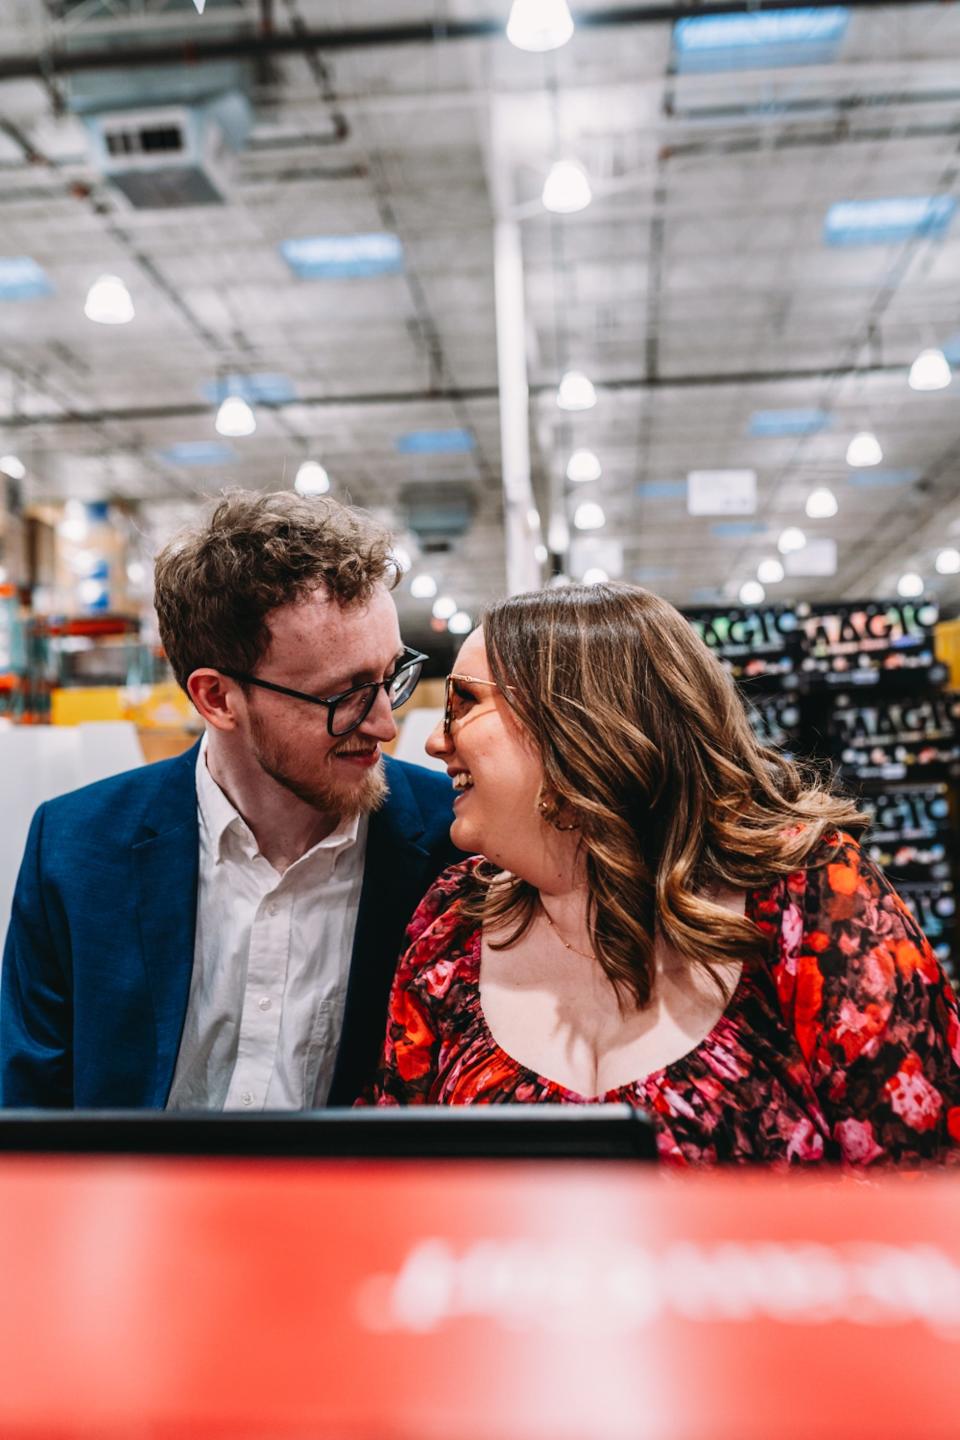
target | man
[{"x": 220, "y": 930}]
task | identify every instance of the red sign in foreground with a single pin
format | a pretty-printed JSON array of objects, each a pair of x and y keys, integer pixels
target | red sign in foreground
[{"x": 381, "y": 1301}]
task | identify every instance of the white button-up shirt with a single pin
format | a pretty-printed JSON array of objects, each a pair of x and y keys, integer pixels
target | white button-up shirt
[{"x": 271, "y": 961}]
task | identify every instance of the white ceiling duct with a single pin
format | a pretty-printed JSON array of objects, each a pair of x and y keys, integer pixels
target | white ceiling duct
[{"x": 171, "y": 155}]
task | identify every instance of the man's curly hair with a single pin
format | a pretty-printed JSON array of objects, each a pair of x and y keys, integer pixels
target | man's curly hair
[{"x": 216, "y": 583}]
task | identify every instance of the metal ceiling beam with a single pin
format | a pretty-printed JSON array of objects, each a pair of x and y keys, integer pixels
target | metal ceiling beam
[
  {"x": 468, "y": 395},
  {"x": 259, "y": 45}
]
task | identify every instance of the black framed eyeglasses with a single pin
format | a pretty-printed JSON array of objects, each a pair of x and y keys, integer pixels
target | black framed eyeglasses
[{"x": 351, "y": 707}]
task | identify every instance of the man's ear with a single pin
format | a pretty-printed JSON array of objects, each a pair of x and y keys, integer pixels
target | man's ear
[{"x": 215, "y": 697}]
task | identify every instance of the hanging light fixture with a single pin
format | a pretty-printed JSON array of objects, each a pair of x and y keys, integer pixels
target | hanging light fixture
[
  {"x": 539, "y": 24},
  {"x": 821, "y": 504},
  {"x": 444, "y": 606},
  {"x": 576, "y": 392},
  {"x": 566, "y": 188},
  {"x": 595, "y": 576},
  {"x": 109, "y": 302},
  {"x": 235, "y": 418},
  {"x": 770, "y": 572},
  {"x": 910, "y": 585},
  {"x": 311, "y": 479},
  {"x": 589, "y": 516},
  {"x": 13, "y": 466},
  {"x": 752, "y": 593},
  {"x": 948, "y": 561},
  {"x": 864, "y": 449},
  {"x": 930, "y": 371},
  {"x": 200, "y": 6},
  {"x": 558, "y": 533},
  {"x": 583, "y": 465},
  {"x": 791, "y": 540},
  {"x": 423, "y": 587},
  {"x": 460, "y": 623}
]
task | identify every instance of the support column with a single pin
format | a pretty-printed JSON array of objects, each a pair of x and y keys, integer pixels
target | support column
[{"x": 523, "y": 570}]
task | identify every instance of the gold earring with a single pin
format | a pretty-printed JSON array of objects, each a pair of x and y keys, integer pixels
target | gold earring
[{"x": 550, "y": 810}]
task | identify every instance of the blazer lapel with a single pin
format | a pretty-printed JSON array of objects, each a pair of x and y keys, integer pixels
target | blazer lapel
[
  {"x": 396, "y": 874},
  {"x": 166, "y": 867}
]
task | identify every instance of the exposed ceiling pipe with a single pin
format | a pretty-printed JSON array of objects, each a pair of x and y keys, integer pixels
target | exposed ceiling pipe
[
  {"x": 196, "y": 48},
  {"x": 477, "y": 394}
]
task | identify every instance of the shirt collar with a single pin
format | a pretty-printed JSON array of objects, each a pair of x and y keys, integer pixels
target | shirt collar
[{"x": 221, "y": 818}]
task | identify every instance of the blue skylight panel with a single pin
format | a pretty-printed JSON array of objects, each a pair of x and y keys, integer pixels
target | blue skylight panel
[
  {"x": 787, "y": 422},
  {"x": 872, "y": 478},
  {"x": 435, "y": 442},
  {"x": 951, "y": 349},
  {"x": 198, "y": 452},
  {"x": 650, "y": 574},
  {"x": 259, "y": 388},
  {"x": 759, "y": 40},
  {"x": 339, "y": 257},
  {"x": 884, "y": 222},
  {"x": 22, "y": 278},
  {"x": 737, "y": 529},
  {"x": 660, "y": 489}
]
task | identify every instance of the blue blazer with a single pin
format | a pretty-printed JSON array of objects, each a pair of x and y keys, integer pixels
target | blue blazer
[{"x": 98, "y": 957}]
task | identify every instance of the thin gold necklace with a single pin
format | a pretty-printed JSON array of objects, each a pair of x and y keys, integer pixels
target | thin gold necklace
[{"x": 565, "y": 943}]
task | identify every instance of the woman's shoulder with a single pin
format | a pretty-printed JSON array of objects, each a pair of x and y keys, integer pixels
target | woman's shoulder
[
  {"x": 444, "y": 897},
  {"x": 834, "y": 860},
  {"x": 834, "y": 879}
]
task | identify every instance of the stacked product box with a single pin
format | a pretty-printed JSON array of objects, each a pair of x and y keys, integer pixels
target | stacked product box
[{"x": 859, "y": 686}]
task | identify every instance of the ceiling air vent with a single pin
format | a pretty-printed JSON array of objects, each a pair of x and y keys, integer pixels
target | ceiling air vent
[
  {"x": 164, "y": 158},
  {"x": 438, "y": 515}
]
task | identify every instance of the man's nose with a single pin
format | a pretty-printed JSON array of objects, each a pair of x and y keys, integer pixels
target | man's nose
[{"x": 380, "y": 722}]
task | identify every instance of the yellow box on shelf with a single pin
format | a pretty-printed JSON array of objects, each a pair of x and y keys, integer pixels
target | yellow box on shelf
[
  {"x": 947, "y": 645},
  {"x": 150, "y": 707}
]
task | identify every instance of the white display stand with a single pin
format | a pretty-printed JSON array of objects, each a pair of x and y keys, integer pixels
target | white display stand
[
  {"x": 38, "y": 762},
  {"x": 413, "y": 732}
]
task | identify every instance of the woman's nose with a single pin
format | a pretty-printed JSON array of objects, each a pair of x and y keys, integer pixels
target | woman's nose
[{"x": 437, "y": 743}]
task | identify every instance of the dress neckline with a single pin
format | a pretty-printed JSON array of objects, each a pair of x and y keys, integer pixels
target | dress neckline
[{"x": 653, "y": 1076}]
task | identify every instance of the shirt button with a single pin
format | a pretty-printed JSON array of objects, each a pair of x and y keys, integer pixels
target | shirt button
[
  {"x": 265, "y": 1002},
  {"x": 247, "y": 1098},
  {"x": 272, "y": 909}
]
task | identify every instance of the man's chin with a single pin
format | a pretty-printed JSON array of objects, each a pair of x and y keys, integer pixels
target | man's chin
[{"x": 345, "y": 798}]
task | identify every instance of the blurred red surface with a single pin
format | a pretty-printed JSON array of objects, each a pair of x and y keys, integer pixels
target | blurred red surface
[{"x": 177, "y": 1299}]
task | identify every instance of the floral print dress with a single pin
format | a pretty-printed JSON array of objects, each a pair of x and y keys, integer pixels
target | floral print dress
[{"x": 843, "y": 1043}]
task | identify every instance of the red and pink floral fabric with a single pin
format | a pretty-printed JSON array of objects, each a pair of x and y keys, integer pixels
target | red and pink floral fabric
[{"x": 842, "y": 1044}]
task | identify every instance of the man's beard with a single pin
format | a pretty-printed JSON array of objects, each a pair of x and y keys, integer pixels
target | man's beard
[{"x": 346, "y": 801}]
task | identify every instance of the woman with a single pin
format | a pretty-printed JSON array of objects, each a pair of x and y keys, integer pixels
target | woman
[{"x": 660, "y": 910}]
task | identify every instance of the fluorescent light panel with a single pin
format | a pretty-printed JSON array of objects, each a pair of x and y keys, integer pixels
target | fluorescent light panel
[
  {"x": 340, "y": 257},
  {"x": 737, "y": 529},
  {"x": 264, "y": 387},
  {"x": 873, "y": 479},
  {"x": 660, "y": 489},
  {"x": 435, "y": 442},
  {"x": 22, "y": 279},
  {"x": 761, "y": 40},
  {"x": 882, "y": 222},
  {"x": 787, "y": 422},
  {"x": 197, "y": 452}
]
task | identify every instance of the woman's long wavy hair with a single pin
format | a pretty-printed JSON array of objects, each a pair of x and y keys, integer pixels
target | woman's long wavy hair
[{"x": 647, "y": 750}]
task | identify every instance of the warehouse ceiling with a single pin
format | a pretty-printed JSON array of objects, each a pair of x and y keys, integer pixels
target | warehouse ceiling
[{"x": 728, "y": 318}]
